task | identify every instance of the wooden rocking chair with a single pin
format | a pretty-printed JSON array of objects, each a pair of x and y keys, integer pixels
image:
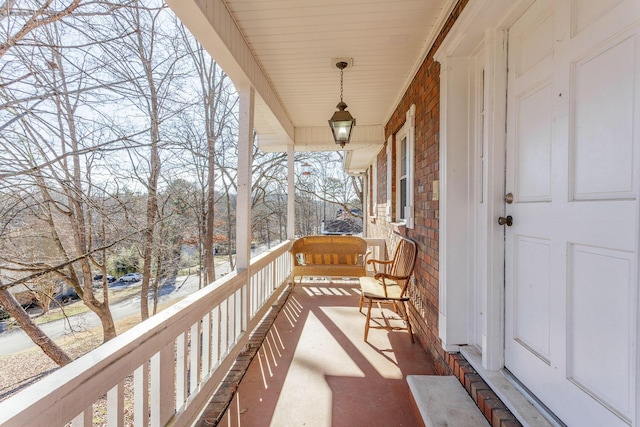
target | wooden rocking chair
[{"x": 390, "y": 286}]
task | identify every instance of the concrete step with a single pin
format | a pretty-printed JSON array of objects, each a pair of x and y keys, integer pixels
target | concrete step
[{"x": 442, "y": 401}]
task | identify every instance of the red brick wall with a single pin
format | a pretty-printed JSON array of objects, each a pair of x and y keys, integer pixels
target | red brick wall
[{"x": 424, "y": 92}]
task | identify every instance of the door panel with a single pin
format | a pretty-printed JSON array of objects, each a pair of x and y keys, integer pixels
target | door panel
[
  {"x": 531, "y": 295},
  {"x": 533, "y": 144},
  {"x": 599, "y": 337},
  {"x": 585, "y": 13},
  {"x": 573, "y": 165},
  {"x": 532, "y": 43},
  {"x": 604, "y": 112}
]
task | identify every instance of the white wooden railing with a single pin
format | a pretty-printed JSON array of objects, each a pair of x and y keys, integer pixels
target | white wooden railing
[{"x": 164, "y": 370}]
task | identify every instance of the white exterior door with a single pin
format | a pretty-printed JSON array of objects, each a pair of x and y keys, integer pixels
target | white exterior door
[{"x": 573, "y": 167}]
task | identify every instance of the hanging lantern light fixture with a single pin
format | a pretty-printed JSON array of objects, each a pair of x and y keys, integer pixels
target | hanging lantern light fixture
[
  {"x": 342, "y": 122},
  {"x": 306, "y": 169}
]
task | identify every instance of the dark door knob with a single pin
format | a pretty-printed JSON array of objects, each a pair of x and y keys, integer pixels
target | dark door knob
[{"x": 508, "y": 221}]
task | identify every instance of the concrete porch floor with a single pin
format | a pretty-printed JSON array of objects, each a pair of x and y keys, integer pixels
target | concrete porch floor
[{"x": 314, "y": 368}]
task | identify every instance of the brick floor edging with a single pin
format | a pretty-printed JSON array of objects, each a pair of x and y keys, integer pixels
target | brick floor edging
[
  {"x": 489, "y": 403},
  {"x": 221, "y": 398}
]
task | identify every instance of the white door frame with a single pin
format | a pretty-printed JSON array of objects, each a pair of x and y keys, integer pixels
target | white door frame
[{"x": 481, "y": 25}]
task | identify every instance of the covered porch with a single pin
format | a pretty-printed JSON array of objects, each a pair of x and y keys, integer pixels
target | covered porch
[
  {"x": 455, "y": 141},
  {"x": 166, "y": 371},
  {"x": 314, "y": 368}
]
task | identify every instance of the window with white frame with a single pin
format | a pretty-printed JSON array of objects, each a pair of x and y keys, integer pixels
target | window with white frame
[
  {"x": 374, "y": 189},
  {"x": 404, "y": 171}
]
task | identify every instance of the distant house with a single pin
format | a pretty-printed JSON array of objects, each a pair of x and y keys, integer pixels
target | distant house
[
  {"x": 341, "y": 226},
  {"x": 23, "y": 295}
]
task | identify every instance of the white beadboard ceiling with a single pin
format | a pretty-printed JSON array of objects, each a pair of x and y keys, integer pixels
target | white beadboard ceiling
[{"x": 284, "y": 48}]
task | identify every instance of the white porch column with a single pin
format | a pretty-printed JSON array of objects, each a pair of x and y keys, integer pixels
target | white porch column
[
  {"x": 291, "y": 194},
  {"x": 365, "y": 202},
  {"x": 245, "y": 160}
]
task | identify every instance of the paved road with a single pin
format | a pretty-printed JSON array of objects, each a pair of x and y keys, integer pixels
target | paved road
[{"x": 16, "y": 340}]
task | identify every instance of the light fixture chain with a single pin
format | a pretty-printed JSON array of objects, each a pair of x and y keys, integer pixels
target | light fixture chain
[
  {"x": 341, "y": 72},
  {"x": 342, "y": 122}
]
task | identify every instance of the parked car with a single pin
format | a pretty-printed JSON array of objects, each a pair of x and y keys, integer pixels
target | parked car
[
  {"x": 110, "y": 279},
  {"x": 131, "y": 277},
  {"x": 68, "y": 294}
]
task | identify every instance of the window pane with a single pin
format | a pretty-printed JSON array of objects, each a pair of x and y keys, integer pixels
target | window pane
[
  {"x": 403, "y": 157},
  {"x": 403, "y": 197}
]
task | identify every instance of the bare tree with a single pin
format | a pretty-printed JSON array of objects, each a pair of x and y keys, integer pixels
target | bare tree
[
  {"x": 19, "y": 18},
  {"x": 54, "y": 150},
  {"x": 215, "y": 104},
  {"x": 44, "y": 291},
  {"x": 47, "y": 345},
  {"x": 145, "y": 61},
  {"x": 174, "y": 227},
  {"x": 268, "y": 195},
  {"x": 92, "y": 137}
]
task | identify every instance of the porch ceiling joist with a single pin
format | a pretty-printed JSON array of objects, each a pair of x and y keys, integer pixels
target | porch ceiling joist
[
  {"x": 366, "y": 142},
  {"x": 214, "y": 27},
  {"x": 319, "y": 138}
]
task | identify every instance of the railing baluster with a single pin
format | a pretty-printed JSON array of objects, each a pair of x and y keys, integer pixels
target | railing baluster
[
  {"x": 194, "y": 358},
  {"x": 256, "y": 295},
  {"x": 253, "y": 295},
  {"x": 243, "y": 312},
  {"x": 274, "y": 275},
  {"x": 215, "y": 343},
  {"x": 224, "y": 327},
  {"x": 232, "y": 320},
  {"x": 141, "y": 395},
  {"x": 182, "y": 369},
  {"x": 115, "y": 406},
  {"x": 162, "y": 386},
  {"x": 84, "y": 419},
  {"x": 206, "y": 345},
  {"x": 257, "y": 284},
  {"x": 261, "y": 288}
]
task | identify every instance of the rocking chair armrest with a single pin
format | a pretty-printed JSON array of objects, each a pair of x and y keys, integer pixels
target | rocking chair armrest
[
  {"x": 379, "y": 261},
  {"x": 379, "y": 264}
]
